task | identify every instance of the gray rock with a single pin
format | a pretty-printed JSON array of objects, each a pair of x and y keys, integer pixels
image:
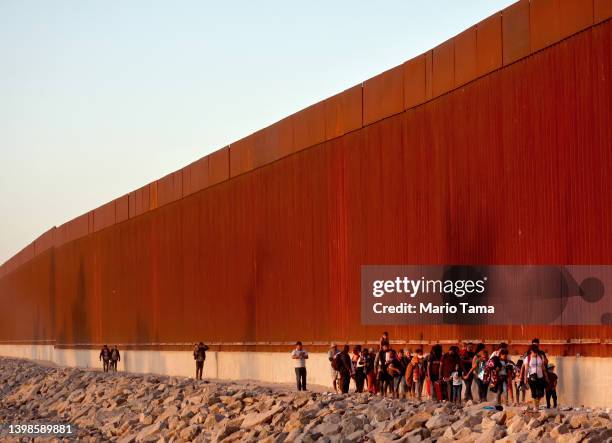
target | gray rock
[
  {"x": 416, "y": 421},
  {"x": 491, "y": 435},
  {"x": 254, "y": 419},
  {"x": 578, "y": 420},
  {"x": 437, "y": 421}
]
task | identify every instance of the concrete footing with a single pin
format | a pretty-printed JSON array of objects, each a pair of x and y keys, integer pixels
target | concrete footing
[{"x": 582, "y": 380}]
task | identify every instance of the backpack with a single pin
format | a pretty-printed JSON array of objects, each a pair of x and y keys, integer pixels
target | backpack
[{"x": 490, "y": 376}]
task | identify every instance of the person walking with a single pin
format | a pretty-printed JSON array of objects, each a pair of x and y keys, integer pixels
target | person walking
[
  {"x": 449, "y": 361},
  {"x": 370, "y": 371},
  {"x": 331, "y": 355},
  {"x": 105, "y": 357},
  {"x": 354, "y": 359},
  {"x": 502, "y": 381},
  {"x": 380, "y": 367},
  {"x": 478, "y": 371},
  {"x": 535, "y": 374},
  {"x": 199, "y": 355},
  {"x": 456, "y": 384},
  {"x": 415, "y": 374},
  {"x": 433, "y": 372},
  {"x": 551, "y": 386},
  {"x": 396, "y": 372},
  {"x": 299, "y": 355},
  {"x": 360, "y": 369},
  {"x": 467, "y": 356},
  {"x": 345, "y": 368},
  {"x": 519, "y": 384},
  {"x": 115, "y": 357}
]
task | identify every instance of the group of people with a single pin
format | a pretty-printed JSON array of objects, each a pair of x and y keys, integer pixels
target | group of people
[
  {"x": 110, "y": 358},
  {"x": 440, "y": 376}
]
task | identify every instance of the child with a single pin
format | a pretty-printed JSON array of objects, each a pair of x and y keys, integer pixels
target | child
[
  {"x": 457, "y": 383},
  {"x": 551, "y": 386},
  {"x": 519, "y": 384},
  {"x": 504, "y": 371}
]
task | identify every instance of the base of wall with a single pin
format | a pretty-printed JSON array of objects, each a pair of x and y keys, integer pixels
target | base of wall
[{"x": 582, "y": 380}]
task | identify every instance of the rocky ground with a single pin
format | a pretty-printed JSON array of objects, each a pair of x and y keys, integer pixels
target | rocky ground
[{"x": 147, "y": 408}]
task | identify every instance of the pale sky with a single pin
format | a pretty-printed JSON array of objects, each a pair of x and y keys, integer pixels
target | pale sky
[{"x": 98, "y": 98}]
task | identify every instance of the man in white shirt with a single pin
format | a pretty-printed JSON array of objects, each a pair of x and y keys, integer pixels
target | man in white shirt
[{"x": 300, "y": 356}]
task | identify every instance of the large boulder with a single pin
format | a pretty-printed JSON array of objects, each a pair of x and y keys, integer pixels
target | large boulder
[
  {"x": 254, "y": 418},
  {"x": 438, "y": 421}
]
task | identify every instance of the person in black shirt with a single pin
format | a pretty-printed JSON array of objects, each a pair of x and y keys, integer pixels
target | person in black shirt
[
  {"x": 105, "y": 357},
  {"x": 345, "y": 368},
  {"x": 360, "y": 369},
  {"x": 115, "y": 357},
  {"x": 199, "y": 355},
  {"x": 380, "y": 367},
  {"x": 467, "y": 356},
  {"x": 395, "y": 371}
]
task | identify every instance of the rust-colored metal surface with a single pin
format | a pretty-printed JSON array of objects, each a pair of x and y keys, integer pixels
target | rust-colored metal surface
[
  {"x": 122, "y": 209},
  {"x": 414, "y": 82},
  {"x": 444, "y": 67},
  {"x": 602, "y": 10},
  {"x": 544, "y": 23},
  {"x": 510, "y": 168},
  {"x": 45, "y": 241},
  {"x": 383, "y": 95},
  {"x": 553, "y": 20},
  {"x": 279, "y": 139},
  {"x": 574, "y": 16},
  {"x": 170, "y": 188},
  {"x": 465, "y": 56},
  {"x": 309, "y": 126},
  {"x": 28, "y": 301},
  {"x": 344, "y": 112},
  {"x": 241, "y": 155},
  {"x": 139, "y": 201},
  {"x": 104, "y": 216},
  {"x": 218, "y": 166},
  {"x": 153, "y": 195},
  {"x": 195, "y": 176},
  {"x": 516, "y": 31},
  {"x": 489, "y": 44}
]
